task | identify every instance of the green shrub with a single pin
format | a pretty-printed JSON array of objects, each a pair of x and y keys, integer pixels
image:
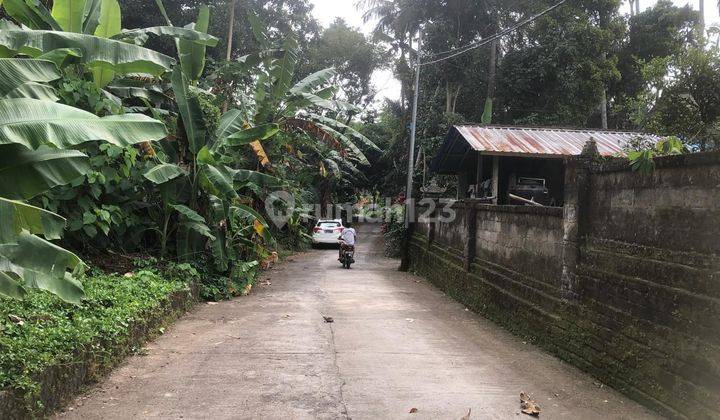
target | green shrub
[{"x": 42, "y": 330}]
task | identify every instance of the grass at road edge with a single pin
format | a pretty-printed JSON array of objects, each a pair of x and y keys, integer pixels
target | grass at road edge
[{"x": 42, "y": 331}]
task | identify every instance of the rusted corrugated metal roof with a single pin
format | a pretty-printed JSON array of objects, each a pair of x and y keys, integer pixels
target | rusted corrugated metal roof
[{"x": 542, "y": 141}]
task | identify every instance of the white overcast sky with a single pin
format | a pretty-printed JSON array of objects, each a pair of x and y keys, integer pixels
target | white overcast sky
[{"x": 327, "y": 11}]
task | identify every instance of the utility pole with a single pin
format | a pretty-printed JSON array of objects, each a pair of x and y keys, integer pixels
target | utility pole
[{"x": 409, "y": 202}]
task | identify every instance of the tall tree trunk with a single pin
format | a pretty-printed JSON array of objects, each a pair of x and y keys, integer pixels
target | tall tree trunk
[
  {"x": 228, "y": 53},
  {"x": 702, "y": 19},
  {"x": 231, "y": 27},
  {"x": 603, "y": 109},
  {"x": 457, "y": 95},
  {"x": 637, "y": 7},
  {"x": 632, "y": 7},
  {"x": 492, "y": 70},
  {"x": 492, "y": 82},
  {"x": 448, "y": 97}
]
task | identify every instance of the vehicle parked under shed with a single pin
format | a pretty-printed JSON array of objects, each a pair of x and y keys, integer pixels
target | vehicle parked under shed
[{"x": 519, "y": 165}]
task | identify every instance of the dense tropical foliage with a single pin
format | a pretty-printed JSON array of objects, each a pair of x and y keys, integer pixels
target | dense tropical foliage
[
  {"x": 586, "y": 64},
  {"x": 109, "y": 144},
  {"x": 165, "y": 131}
]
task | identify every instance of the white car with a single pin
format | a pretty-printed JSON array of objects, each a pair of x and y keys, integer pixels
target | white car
[{"x": 327, "y": 231}]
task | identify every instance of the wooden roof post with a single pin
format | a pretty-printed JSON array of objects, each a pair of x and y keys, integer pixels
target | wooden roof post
[{"x": 496, "y": 178}]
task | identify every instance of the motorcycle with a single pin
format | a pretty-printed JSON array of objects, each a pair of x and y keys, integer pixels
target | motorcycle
[{"x": 347, "y": 256}]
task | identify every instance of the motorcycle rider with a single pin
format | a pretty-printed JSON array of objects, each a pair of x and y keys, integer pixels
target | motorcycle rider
[{"x": 347, "y": 239}]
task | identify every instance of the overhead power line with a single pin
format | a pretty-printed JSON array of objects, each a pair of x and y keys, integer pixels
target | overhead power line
[{"x": 462, "y": 50}]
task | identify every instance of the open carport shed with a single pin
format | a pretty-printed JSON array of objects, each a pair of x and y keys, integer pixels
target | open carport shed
[{"x": 490, "y": 160}]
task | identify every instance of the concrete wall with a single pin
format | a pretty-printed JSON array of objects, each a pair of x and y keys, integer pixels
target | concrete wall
[{"x": 624, "y": 282}]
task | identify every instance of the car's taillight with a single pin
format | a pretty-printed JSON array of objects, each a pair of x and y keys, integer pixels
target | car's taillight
[
  {"x": 339, "y": 229},
  {"x": 316, "y": 230}
]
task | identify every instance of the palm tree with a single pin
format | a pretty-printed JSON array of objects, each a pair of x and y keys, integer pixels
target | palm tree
[{"x": 397, "y": 23}]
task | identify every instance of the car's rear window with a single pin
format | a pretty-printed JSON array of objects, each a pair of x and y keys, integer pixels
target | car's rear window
[{"x": 329, "y": 224}]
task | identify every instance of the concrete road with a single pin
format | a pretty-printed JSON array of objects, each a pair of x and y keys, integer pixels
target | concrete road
[{"x": 396, "y": 344}]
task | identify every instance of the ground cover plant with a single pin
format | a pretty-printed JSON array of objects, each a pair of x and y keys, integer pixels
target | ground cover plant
[{"x": 42, "y": 331}]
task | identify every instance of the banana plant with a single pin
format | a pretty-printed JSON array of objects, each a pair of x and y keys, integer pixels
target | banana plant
[
  {"x": 27, "y": 78},
  {"x": 305, "y": 106},
  {"x": 91, "y": 30},
  {"x": 216, "y": 214},
  {"x": 36, "y": 141}
]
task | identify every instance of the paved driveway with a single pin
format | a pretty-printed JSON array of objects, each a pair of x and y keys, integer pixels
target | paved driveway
[{"x": 397, "y": 343}]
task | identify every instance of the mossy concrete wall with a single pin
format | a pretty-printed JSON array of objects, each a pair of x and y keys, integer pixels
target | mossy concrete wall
[{"x": 624, "y": 282}]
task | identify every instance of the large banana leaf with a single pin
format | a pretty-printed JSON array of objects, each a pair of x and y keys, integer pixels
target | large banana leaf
[
  {"x": 192, "y": 54},
  {"x": 231, "y": 122},
  {"x": 252, "y": 60},
  {"x": 31, "y": 13},
  {"x": 60, "y": 56},
  {"x": 32, "y": 123},
  {"x": 109, "y": 24},
  {"x": 110, "y": 19},
  {"x": 192, "y": 220},
  {"x": 344, "y": 128},
  {"x": 10, "y": 280},
  {"x": 155, "y": 96},
  {"x": 190, "y": 111},
  {"x": 248, "y": 212},
  {"x": 69, "y": 14},
  {"x": 283, "y": 69},
  {"x": 188, "y": 213},
  {"x": 163, "y": 12},
  {"x": 34, "y": 90},
  {"x": 27, "y": 173},
  {"x": 326, "y": 133},
  {"x": 304, "y": 100},
  {"x": 16, "y": 216},
  {"x": 359, "y": 155},
  {"x": 317, "y": 79},
  {"x": 15, "y": 72},
  {"x": 187, "y": 34},
  {"x": 44, "y": 266},
  {"x": 258, "y": 29},
  {"x": 91, "y": 16},
  {"x": 250, "y": 135},
  {"x": 218, "y": 181},
  {"x": 96, "y": 52},
  {"x": 259, "y": 179},
  {"x": 163, "y": 173}
]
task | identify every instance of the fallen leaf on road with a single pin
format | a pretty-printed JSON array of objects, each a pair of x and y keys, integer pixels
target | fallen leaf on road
[
  {"x": 212, "y": 303},
  {"x": 247, "y": 289},
  {"x": 265, "y": 283},
  {"x": 466, "y": 416},
  {"x": 409, "y": 320},
  {"x": 413, "y": 410},
  {"x": 528, "y": 406},
  {"x": 328, "y": 319}
]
